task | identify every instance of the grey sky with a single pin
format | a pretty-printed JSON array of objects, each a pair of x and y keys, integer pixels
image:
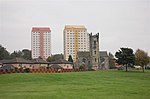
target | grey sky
[{"x": 121, "y": 23}]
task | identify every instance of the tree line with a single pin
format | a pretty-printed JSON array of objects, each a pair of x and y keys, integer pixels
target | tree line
[
  {"x": 25, "y": 54},
  {"x": 4, "y": 54}
]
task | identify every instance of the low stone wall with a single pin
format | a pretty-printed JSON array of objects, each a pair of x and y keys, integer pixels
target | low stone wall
[{"x": 44, "y": 70}]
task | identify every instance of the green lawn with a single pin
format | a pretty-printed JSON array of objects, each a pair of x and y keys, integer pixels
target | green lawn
[{"x": 76, "y": 85}]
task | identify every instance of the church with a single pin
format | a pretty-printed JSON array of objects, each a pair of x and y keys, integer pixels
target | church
[{"x": 93, "y": 59}]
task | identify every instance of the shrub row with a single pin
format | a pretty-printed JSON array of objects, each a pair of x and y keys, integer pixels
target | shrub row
[{"x": 44, "y": 70}]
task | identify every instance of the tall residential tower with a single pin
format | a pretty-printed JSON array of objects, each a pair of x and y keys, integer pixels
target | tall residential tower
[
  {"x": 76, "y": 38},
  {"x": 41, "y": 42}
]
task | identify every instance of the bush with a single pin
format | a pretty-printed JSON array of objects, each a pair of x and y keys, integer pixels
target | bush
[
  {"x": 27, "y": 70},
  {"x": 91, "y": 69},
  {"x": 16, "y": 70},
  {"x": 82, "y": 67}
]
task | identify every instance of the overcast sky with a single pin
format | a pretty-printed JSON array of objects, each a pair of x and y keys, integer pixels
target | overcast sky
[{"x": 121, "y": 23}]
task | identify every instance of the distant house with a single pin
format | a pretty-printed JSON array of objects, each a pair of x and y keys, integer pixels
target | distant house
[
  {"x": 17, "y": 63},
  {"x": 63, "y": 63},
  {"x": 39, "y": 63},
  {"x": 22, "y": 63}
]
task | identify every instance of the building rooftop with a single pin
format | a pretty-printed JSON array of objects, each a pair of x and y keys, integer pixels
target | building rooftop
[
  {"x": 61, "y": 61},
  {"x": 16, "y": 60},
  {"x": 41, "y": 29},
  {"x": 23, "y": 61},
  {"x": 75, "y": 26},
  {"x": 103, "y": 54},
  {"x": 85, "y": 54},
  {"x": 39, "y": 61}
]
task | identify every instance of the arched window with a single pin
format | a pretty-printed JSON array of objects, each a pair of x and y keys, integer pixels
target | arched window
[
  {"x": 95, "y": 59},
  {"x": 94, "y": 52},
  {"x": 83, "y": 60}
]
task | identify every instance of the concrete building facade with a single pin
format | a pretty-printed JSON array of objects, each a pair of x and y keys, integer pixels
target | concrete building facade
[
  {"x": 41, "y": 42},
  {"x": 76, "y": 38}
]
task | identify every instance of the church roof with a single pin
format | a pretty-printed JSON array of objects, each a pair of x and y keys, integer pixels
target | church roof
[
  {"x": 83, "y": 54},
  {"x": 86, "y": 54},
  {"x": 103, "y": 54}
]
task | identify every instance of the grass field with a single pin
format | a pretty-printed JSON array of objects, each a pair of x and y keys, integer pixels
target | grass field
[{"x": 76, "y": 85}]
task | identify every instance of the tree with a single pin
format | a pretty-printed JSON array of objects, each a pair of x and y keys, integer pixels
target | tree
[
  {"x": 141, "y": 58},
  {"x": 26, "y": 54},
  {"x": 125, "y": 57},
  {"x": 82, "y": 67},
  {"x": 50, "y": 59},
  {"x": 58, "y": 56},
  {"x": 4, "y": 54},
  {"x": 16, "y": 54},
  {"x": 70, "y": 59},
  {"x": 111, "y": 61},
  {"x": 55, "y": 57}
]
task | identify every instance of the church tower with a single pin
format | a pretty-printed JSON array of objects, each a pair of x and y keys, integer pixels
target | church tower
[{"x": 94, "y": 51}]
